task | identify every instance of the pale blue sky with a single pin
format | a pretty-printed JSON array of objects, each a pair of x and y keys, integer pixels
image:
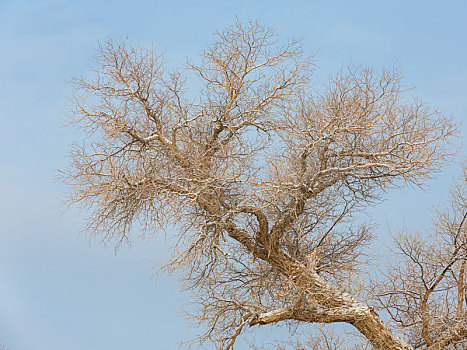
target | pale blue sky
[{"x": 57, "y": 291}]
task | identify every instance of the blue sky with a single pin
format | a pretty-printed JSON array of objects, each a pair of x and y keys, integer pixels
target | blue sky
[{"x": 60, "y": 291}]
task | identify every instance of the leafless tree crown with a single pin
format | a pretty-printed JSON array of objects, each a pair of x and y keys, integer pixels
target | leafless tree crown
[{"x": 262, "y": 175}]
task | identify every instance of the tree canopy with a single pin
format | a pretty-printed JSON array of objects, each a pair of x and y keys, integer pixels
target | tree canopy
[{"x": 264, "y": 175}]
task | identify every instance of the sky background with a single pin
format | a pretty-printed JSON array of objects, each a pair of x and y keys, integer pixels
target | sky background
[{"x": 60, "y": 291}]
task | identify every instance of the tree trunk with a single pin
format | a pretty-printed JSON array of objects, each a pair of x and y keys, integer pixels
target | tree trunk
[
  {"x": 378, "y": 334},
  {"x": 334, "y": 305}
]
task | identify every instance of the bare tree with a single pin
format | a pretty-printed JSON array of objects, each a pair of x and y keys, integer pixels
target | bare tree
[
  {"x": 262, "y": 174},
  {"x": 424, "y": 290}
]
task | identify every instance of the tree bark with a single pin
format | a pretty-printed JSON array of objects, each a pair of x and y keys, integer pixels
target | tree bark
[{"x": 333, "y": 305}]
